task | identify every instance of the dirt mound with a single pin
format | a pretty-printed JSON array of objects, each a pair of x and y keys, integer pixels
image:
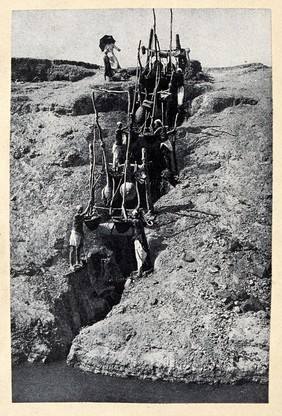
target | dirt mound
[{"x": 215, "y": 102}]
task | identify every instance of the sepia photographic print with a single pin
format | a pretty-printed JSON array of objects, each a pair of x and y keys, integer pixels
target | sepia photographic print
[{"x": 140, "y": 213}]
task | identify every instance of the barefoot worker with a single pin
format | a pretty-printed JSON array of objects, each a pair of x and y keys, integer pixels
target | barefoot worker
[
  {"x": 142, "y": 253},
  {"x": 77, "y": 236}
]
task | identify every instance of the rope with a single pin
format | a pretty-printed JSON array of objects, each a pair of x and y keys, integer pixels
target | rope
[
  {"x": 138, "y": 197},
  {"x": 92, "y": 186},
  {"x": 125, "y": 176}
]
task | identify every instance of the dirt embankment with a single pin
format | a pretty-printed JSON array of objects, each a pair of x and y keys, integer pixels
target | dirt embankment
[
  {"x": 38, "y": 70},
  {"x": 203, "y": 315}
]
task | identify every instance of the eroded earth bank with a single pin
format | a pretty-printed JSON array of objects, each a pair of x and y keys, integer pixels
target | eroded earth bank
[{"x": 203, "y": 315}]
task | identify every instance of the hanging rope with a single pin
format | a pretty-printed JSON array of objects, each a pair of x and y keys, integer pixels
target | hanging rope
[
  {"x": 138, "y": 197},
  {"x": 93, "y": 169},
  {"x": 125, "y": 177}
]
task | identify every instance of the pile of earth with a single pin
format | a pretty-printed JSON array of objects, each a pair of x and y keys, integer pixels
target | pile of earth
[{"x": 203, "y": 314}]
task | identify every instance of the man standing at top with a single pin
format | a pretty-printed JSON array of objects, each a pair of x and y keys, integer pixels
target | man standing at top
[
  {"x": 109, "y": 48},
  {"x": 77, "y": 236},
  {"x": 108, "y": 69}
]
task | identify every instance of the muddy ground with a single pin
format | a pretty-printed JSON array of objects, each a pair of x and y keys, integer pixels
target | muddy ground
[{"x": 203, "y": 315}]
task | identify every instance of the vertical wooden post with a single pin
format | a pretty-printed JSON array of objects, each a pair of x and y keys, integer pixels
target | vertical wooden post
[{"x": 149, "y": 202}]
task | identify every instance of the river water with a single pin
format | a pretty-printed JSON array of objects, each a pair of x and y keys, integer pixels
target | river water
[{"x": 56, "y": 382}]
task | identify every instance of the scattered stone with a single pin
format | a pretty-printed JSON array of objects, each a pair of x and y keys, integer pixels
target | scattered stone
[
  {"x": 258, "y": 271},
  {"x": 32, "y": 155},
  {"x": 128, "y": 282},
  {"x": 214, "y": 269},
  {"x": 188, "y": 258},
  {"x": 235, "y": 245},
  {"x": 242, "y": 295},
  {"x": 252, "y": 304},
  {"x": 127, "y": 337},
  {"x": 267, "y": 272},
  {"x": 26, "y": 150},
  {"x": 64, "y": 164},
  {"x": 67, "y": 132},
  {"x": 67, "y": 172},
  {"x": 17, "y": 154}
]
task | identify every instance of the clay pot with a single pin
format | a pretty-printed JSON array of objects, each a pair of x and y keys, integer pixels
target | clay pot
[{"x": 130, "y": 191}]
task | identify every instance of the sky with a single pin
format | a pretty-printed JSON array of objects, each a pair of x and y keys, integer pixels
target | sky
[{"x": 216, "y": 37}]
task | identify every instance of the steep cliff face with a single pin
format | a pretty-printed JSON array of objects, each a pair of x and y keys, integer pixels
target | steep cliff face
[{"x": 203, "y": 315}]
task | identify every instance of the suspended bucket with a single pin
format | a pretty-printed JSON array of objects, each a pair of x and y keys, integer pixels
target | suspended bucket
[
  {"x": 107, "y": 193},
  {"x": 140, "y": 116},
  {"x": 92, "y": 222},
  {"x": 129, "y": 191},
  {"x": 121, "y": 225}
]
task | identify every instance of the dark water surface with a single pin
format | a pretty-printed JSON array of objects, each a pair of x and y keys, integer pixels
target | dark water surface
[{"x": 56, "y": 382}]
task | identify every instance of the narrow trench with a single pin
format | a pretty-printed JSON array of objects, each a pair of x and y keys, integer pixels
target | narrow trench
[{"x": 92, "y": 291}]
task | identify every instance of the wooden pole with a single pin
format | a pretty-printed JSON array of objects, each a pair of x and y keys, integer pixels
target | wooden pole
[
  {"x": 93, "y": 167},
  {"x": 173, "y": 147},
  {"x": 109, "y": 186},
  {"x": 149, "y": 47},
  {"x": 170, "y": 44},
  {"x": 149, "y": 202},
  {"x": 138, "y": 72}
]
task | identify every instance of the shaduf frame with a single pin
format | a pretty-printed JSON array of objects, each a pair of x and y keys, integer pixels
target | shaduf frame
[{"x": 143, "y": 153}]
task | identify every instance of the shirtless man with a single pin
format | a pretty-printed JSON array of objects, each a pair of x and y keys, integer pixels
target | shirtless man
[{"x": 77, "y": 236}]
